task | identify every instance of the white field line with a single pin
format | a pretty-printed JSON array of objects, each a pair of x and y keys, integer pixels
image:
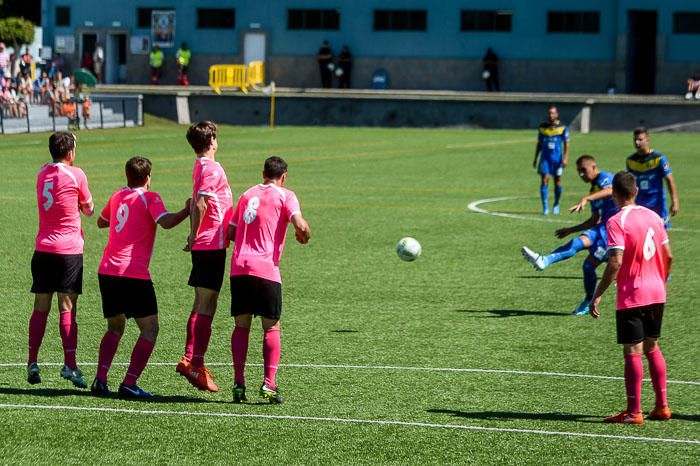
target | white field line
[
  {"x": 388, "y": 368},
  {"x": 348, "y": 421},
  {"x": 474, "y": 207}
]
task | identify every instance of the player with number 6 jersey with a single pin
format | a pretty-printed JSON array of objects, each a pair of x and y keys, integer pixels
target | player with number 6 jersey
[
  {"x": 640, "y": 260},
  {"x": 132, "y": 214},
  {"x": 57, "y": 265}
]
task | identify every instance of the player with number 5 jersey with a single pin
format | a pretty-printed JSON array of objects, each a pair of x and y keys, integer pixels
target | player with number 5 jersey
[
  {"x": 57, "y": 264},
  {"x": 640, "y": 260}
]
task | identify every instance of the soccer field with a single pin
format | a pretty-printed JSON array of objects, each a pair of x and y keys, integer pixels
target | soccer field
[{"x": 466, "y": 355}]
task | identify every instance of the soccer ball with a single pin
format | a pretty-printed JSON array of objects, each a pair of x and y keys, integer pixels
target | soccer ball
[
  {"x": 486, "y": 74},
  {"x": 408, "y": 249}
]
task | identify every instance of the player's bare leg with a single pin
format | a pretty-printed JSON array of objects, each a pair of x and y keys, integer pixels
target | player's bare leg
[
  {"x": 37, "y": 328},
  {"x": 239, "y": 352},
  {"x": 634, "y": 371}
]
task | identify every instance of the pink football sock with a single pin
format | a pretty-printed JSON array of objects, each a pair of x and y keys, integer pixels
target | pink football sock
[
  {"x": 189, "y": 339},
  {"x": 37, "y": 327},
  {"x": 634, "y": 370},
  {"x": 239, "y": 350},
  {"x": 139, "y": 358},
  {"x": 108, "y": 348},
  {"x": 68, "y": 328},
  {"x": 272, "y": 347},
  {"x": 202, "y": 334},
  {"x": 657, "y": 368}
]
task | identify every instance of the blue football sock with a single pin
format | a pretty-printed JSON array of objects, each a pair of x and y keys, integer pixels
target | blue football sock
[
  {"x": 544, "y": 193},
  {"x": 557, "y": 194},
  {"x": 589, "y": 279},
  {"x": 565, "y": 251}
]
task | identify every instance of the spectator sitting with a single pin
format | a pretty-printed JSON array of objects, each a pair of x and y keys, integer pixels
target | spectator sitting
[
  {"x": 5, "y": 99},
  {"x": 14, "y": 66},
  {"x": 694, "y": 86},
  {"x": 41, "y": 86}
]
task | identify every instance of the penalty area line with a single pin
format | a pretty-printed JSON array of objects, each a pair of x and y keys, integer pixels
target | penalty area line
[
  {"x": 338, "y": 420},
  {"x": 386, "y": 367}
]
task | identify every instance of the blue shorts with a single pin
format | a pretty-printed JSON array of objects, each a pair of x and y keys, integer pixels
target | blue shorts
[
  {"x": 549, "y": 167},
  {"x": 598, "y": 236}
]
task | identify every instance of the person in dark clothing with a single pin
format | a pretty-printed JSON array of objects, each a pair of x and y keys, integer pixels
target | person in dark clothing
[
  {"x": 490, "y": 74},
  {"x": 325, "y": 58},
  {"x": 344, "y": 68}
]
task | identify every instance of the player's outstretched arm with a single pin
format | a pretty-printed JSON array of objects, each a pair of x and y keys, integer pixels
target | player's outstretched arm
[
  {"x": 611, "y": 270},
  {"x": 173, "y": 219},
  {"x": 668, "y": 258},
  {"x": 603, "y": 193},
  {"x": 301, "y": 228},
  {"x": 671, "y": 183},
  {"x": 588, "y": 224}
]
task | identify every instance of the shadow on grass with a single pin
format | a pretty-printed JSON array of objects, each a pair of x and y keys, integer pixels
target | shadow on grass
[
  {"x": 501, "y": 313},
  {"x": 61, "y": 392},
  {"x": 686, "y": 417},
  {"x": 550, "y": 277},
  {"x": 502, "y": 415},
  {"x": 344, "y": 331}
]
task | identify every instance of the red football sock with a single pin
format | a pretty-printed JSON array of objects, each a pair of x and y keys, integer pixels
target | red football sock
[
  {"x": 37, "y": 327},
  {"x": 68, "y": 328},
  {"x": 272, "y": 347},
  {"x": 139, "y": 358},
  {"x": 239, "y": 350},
  {"x": 202, "y": 334},
  {"x": 657, "y": 368},
  {"x": 108, "y": 348},
  {"x": 634, "y": 370},
  {"x": 189, "y": 339}
]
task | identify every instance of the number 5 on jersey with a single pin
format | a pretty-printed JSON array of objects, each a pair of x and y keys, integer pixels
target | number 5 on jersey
[{"x": 48, "y": 186}]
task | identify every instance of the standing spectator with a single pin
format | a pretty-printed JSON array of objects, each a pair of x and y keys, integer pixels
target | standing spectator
[
  {"x": 98, "y": 61},
  {"x": 325, "y": 64},
  {"x": 86, "y": 104},
  {"x": 344, "y": 68},
  {"x": 640, "y": 261},
  {"x": 490, "y": 73},
  {"x": 14, "y": 66},
  {"x": 693, "y": 86},
  {"x": 57, "y": 62},
  {"x": 4, "y": 61},
  {"x": 156, "y": 63},
  {"x": 183, "y": 56},
  {"x": 25, "y": 63},
  {"x": 87, "y": 62}
]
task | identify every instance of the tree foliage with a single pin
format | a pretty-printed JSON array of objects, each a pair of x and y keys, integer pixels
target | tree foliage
[{"x": 16, "y": 31}]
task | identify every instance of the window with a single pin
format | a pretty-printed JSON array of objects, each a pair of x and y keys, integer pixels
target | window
[
  {"x": 143, "y": 16},
  {"x": 313, "y": 19},
  {"x": 216, "y": 18},
  {"x": 400, "y": 20},
  {"x": 573, "y": 21},
  {"x": 62, "y": 16},
  {"x": 485, "y": 20},
  {"x": 686, "y": 23}
]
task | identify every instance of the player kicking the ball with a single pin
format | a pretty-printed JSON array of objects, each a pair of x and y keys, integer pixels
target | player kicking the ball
[
  {"x": 594, "y": 235},
  {"x": 640, "y": 260},
  {"x": 132, "y": 214},
  {"x": 259, "y": 227},
  {"x": 57, "y": 265}
]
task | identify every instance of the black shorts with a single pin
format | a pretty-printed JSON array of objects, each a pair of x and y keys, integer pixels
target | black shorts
[
  {"x": 638, "y": 323},
  {"x": 132, "y": 297},
  {"x": 62, "y": 273},
  {"x": 257, "y": 296},
  {"x": 208, "y": 269}
]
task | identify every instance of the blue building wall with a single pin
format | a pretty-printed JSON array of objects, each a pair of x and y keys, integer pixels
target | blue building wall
[{"x": 443, "y": 42}]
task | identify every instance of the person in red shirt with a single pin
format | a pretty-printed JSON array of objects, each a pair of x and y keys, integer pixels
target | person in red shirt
[{"x": 640, "y": 259}]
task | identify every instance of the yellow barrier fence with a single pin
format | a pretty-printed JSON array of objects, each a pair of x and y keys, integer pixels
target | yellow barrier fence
[
  {"x": 228, "y": 76},
  {"x": 256, "y": 74}
]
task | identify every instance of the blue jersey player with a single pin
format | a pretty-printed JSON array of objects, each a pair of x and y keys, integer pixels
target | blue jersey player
[
  {"x": 594, "y": 236},
  {"x": 651, "y": 167},
  {"x": 553, "y": 144}
]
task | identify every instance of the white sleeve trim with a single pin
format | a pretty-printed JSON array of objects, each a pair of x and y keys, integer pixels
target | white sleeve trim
[
  {"x": 294, "y": 213},
  {"x": 161, "y": 216},
  {"x": 622, "y": 248},
  {"x": 233, "y": 224},
  {"x": 88, "y": 201},
  {"x": 206, "y": 193},
  {"x": 105, "y": 219},
  {"x": 666, "y": 242}
]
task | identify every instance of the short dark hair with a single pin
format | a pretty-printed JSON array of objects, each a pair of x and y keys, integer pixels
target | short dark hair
[
  {"x": 640, "y": 130},
  {"x": 624, "y": 184},
  {"x": 138, "y": 169},
  {"x": 60, "y": 143},
  {"x": 584, "y": 158},
  {"x": 275, "y": 167},
  {"x": 200, "y": 135},
  {"x": 552, "y": 106}
]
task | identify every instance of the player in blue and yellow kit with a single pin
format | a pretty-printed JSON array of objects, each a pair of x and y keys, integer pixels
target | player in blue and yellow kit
[
  {"x": 651, "y": 167},
  {"x": 594, "y": 236},
  {"x": 553, "y": 143}
]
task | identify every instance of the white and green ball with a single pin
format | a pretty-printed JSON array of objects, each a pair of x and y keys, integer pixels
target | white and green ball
[{"x": 408, "y": 249}]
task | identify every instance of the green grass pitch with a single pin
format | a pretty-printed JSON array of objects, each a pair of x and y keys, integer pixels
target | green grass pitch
[{"x": 366, "y": 338}]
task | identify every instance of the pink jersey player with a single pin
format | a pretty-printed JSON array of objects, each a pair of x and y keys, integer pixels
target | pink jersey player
[
  {"x": 61, "y": 189},
  {"x": 132, "y": 215},
  {"x": 261, "y": 217},
  {"x": 209, "y": 179},
  {"x": 640, "y": 233}
]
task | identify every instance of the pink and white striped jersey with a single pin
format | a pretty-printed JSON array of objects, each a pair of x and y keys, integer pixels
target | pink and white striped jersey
[
  {"x": 640, "y": 233},
  {"x": 60, "y": 191},
  {"x": 132, "y": 215},
  {"x": 261, "y": 217},
  {"x": 209, "y": 179}
]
